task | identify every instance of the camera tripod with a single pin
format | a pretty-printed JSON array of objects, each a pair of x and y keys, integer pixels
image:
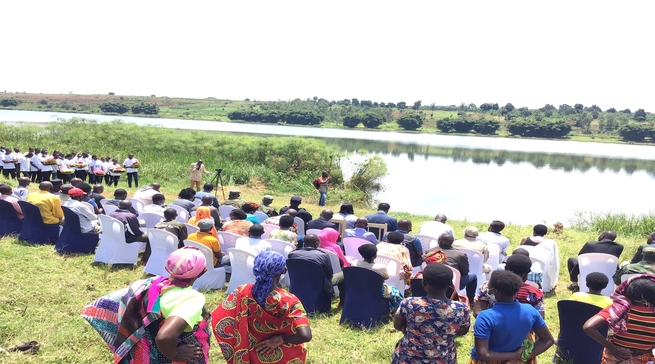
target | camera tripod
[{"x": 216, "y": 179}]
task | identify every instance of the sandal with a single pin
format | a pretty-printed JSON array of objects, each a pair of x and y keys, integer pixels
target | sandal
[{"x": 26, "y": 347}]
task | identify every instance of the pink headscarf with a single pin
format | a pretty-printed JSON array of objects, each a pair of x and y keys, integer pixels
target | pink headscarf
[
  {"x": 328, "y": 238},
  {"x": 184, "y": 265}
]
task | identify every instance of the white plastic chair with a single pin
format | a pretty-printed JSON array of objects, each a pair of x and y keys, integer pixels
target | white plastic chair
[
  {"x": 109, "y": 209},
  {"x": 151, "y": 219},
  {"x": 89, "y": 206},
  {"x": 428, "y": 243},
  {"x": 476, "y": 261},
  {"x": 382, "y": 229},
  {"x": 197, "y": 202},
  {"x": 352, "y": 245},
  {"x": 268, "y": 228},
  {"x": 545, "y": 258},
  {"x": 112, "y": 248},
  {"x": 225, "y": 210},
  {"x": 283, "y": 248},
  {"x": 228, "y": 240},
  {"x": 190, "y": 229},
  {"x": 182, "y": 213},
  {"x": 260, "y": 216},
  {"x": 104, "y": 201},
  {"x": 334, "y": 260},
  {"x": 301, "y": 225},
  {"x": 494, "y": 256},
  {"x": 214, "y": 278},
  {"x": 316, "y": 232},
  {"x": 394, "y": 268},
  {"x": 162, "y": 244},
  {"x": 597, "y": 262},
  {"x": 457, "y": 278},
  {"x": 193, "y": 213},
  {"x": 242, "y": 262},
  {"x": 625, "y": 277},
  {"x": 137, "y": 204}
]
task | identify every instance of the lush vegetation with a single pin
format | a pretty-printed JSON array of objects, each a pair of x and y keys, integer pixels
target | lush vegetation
[
  {"x": 565, "y": 121},
  {"x": 284, "y": 164}
]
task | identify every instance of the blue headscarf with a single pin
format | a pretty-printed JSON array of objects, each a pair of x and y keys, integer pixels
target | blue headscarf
[{"x": 268, "y": 264}]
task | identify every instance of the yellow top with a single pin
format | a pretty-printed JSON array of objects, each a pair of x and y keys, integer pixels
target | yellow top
[
  {"x": 49, "y": 205},
  {"x": 592, "y": 299}
]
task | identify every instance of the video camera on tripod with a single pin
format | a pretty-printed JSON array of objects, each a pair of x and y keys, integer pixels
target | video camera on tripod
[{"x": 216, "y": 179}]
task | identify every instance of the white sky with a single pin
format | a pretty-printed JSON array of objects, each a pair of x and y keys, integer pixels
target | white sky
[{"x": 528, "y": 53}]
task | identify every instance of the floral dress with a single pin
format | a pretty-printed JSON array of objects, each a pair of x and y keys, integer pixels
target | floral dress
[{"x": 431, "y": 329}]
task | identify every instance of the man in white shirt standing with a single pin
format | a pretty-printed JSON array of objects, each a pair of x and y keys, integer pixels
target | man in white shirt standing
[
  {"x": 254, "y": 243},
  {"x": 88, "y": 220},
  {"x": 46, "y": 171},
  {"x": 82, "y": 172},
  {"x": 437, "y": 227},
  {"x": 9, "y": 164},
  {"x": 23, "y": 164},
  {"x": 93, "y": 166},
  {"x": 132, "y": 173},
  {"x": 493, "y": 236}
]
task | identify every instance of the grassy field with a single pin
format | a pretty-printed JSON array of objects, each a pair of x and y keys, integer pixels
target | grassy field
[{"x": 44, "y": 293}]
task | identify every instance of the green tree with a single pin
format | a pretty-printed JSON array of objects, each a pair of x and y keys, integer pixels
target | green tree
[
  {"x": 611, "y": 109},
  {"x": 113, "y": 107},
  {"x": 583, "y": 121},
  {"x": 354, "y": 102},
  {"x": 578, "y": 107},
  {"x": 639, "y": 115},
  {"x": 147, "y": 109},
  {"x": 410, "y": 121},
  {"x": 487, "y": 127},
  {"x": 417, "y": 105},
  {"x": 372, "y": 120},
  {"x": 402, "y": 105},
  {"x": 509, "y": 107},
  {"x": 635, "y": 132},
  {"x": 8, "y": 102},
  {"x": 351, "y": 121}
]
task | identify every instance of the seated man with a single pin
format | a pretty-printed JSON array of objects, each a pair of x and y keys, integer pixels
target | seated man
[
  {"x": 64, "y": 193},
  {"x": 459, "y": 261},
  {"x": 87, "y": 192},
  {"x": 294, "y": 203},
  {"x": 275, "y": 220},
  {"x": 493, "y": 236},
  {"x": 207, "y": 201},
  {"x": 121, "y": 195},
  {"x": 368, "y": 252},
  {"x": 596, "y": 282},
  {"x": 88, "y": 220},
  {"x": 238, "y": 223},
  {"x": 97, "y": 196},
  {"x": 21, "y": 190},
  {"x": 645, "y": 266},
  {"x": 207, "y": 191},
  {"x": 145, "y": 194},
  {"x": 133, "y": 231},
  {"x": 412, "y": 243},
  {"x": 360, "y": 231},
  {"x": 323, "y": 221},
  {"x": 254, "y": 243},
  {"x": 172, "y": 226},
  {"x": 234, "y": 200},
  {"x": 286, "y": 223},
  {"x": 266, "y": 207},
  {"x": 604, "y": 245},
  {"x": 158, "y": 204},
  {"x": 185, "y": 199},
  {"x": 206, "y": 238},
  {"x": 382, "y": 217},
  {"x": 635, "y": 258},
  {"x": 437, "y": 227},
  {"x": 49, "y": 205},
  {"x": 535, "y": 277},
  {"x": 471, "y": 242},
  {"x": 311, "y": 253},
  {"x": 6, "y": 194}
]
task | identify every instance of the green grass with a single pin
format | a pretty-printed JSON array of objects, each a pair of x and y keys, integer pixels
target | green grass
[{"x": 43, "y": 294}]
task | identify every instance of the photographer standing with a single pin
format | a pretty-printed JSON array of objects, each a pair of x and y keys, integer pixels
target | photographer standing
[{"x": 196, "y": 170}]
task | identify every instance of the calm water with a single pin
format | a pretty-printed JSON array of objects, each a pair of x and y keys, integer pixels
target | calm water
[{"x": 475, "y": 178}]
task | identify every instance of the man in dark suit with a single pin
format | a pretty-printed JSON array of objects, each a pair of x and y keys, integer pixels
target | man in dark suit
[
  {"x": 381, "y": 217},
  {"x": 639, "y": 254},
  {"x": 311, "y": 253},
  {"x": 604, "y": 245},
  {"x": 323, "y": 222},
  {"x": 459, "y": 261}
]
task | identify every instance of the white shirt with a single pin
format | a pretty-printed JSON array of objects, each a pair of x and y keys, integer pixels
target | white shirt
[
  {"x": 253, "y": 245},
  {"x": 62, "y": 164},
  {"x": 145, "y": 194},
  {"x": 21, "y": 192},
  {"x": 24, "y": 162},
  {"x": 85, "y": 161},
  {"x": 86, "y": 216},
  {"x": 497, "y": 239},
  {"x": 435, "y": 229},
  {"x": 36, "y": 161},
  {"x": 154, "y": 209},
  {"x": 128, "y": 163},
  {"x": 112, "y": 166},
  {"x": 44, "y": 168},
  {"x": 9, "y": 158}
]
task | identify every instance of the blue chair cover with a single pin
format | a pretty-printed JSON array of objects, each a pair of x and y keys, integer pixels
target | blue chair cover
[
  {"x": 573, "y": 344},
  {"x": 364, "y": 304},
  {"x": 34, "y": 230},
  {"x": 307, "y": 284},
  {"x": 71, "y": 239},
  {"x": 417, "y": 288},
  {"x": 10, "y": 224}
]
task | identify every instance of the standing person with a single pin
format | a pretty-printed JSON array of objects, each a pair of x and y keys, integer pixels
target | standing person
[
  {"x": 82, "y": 162},
  {"x": 161, "y": 317},
  {"x": 23, "y": 164},
  {"x": 196, "y": 170},
  {"x": 435, "y": 316},
  {"x": 132, "y": 173},
  {"x": 9, "y": 164},
  {"x": 95, "y": 166},
  {"x": 27, "y": 169},
  {"x": 35, "y": 163},
  {"x": 113, "y": 174},
  {"x": 321, "y": 184},
  {"x": 262, "y": 304}
]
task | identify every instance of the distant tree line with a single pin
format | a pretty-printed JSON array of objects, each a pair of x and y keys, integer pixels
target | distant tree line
[
  {"x": 637, "y": 132},
  {"x": 8, "y": 102},
  {"x": 275, "y": 116},
  {"x": 463, "y": 125},
  {"x": 120, "y": 108}
]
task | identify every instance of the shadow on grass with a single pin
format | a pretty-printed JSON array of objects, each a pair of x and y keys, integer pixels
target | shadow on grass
[{"x": 114, "y": 267}]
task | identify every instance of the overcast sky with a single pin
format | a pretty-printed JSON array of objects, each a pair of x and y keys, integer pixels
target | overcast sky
[{"x": 528, "y": 53}]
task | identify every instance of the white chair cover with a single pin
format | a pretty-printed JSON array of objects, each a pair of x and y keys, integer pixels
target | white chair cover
[
  {"x": 394, "y": 268},
  {"x": 190, "y": 229},
  {"x": 162, "y": 244},
  {"x": 316, "y": 232},
  {"x": 548, "y": 253},
  {"x": 260, "y": 216},
  {"x": 225, "y": 211},
  {"x": 428, "y": 243},
  {"x": 109, "y": 209},
  {"x": 112, "y": 248},
  {"x": 242, "y": 263},
  {"x": 283, "y": 248},
  {"x": 597, "y": 262},
  {"x": 476, "y": 261},
  {"x": 494, "y": 256},
  {"x": 137, "y": 204},
  {"x": 214, "y": 278},
  {"x": 197, "y": 202},
  {"x": 301, "y": 225},
  {"x": 182, "y": 213},
  {"x": 268, "y": 228},
  {"x": 228, "y": 240},
  {"x": 151, "y": 219},
  {"x": 352, "y": 244}
]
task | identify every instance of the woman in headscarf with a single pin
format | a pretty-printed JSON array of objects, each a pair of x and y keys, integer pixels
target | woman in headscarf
[
  {"x": 435, "y": 256},
  {"x": 159, "y": 319},
  {"x": 328, "y": 241},
  {"x": 631, "y": 339},
  {"x": 202, "y": 213},
  {"x": 260, "y": 322}
]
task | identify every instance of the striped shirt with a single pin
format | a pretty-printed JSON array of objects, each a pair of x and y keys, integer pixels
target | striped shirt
[{"x": 640, "y": 333}]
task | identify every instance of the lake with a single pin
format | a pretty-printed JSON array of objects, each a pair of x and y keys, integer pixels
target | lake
[{"x": 523, "y": 181}]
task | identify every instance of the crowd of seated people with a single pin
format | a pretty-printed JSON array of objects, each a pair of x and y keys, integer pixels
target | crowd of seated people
[{"x": 513, "y": 290}]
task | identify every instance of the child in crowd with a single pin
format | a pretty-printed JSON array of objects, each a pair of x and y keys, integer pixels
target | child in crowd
[
  {"x": 596, "y": 282},
  {"x": 500, "y": 331},
  {"x": 430, "y": 323}
]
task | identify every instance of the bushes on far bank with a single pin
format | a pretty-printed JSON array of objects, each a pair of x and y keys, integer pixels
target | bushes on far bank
[
  {"x": 634, "y": 132},
  {"x": 539, "y": 129},
  {"x": 461, "y": 125},
  {"x": 410, "y": 121},
  {"x": 275, "y": 116},
  {"x": 369, "y": 119}
]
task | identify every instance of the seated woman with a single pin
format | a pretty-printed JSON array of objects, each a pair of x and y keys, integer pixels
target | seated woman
[
  {"x": 284, "y": 233},
  {"x": 260, "y": 322},
  {"x": 434, "y": 316},
  {"x": 394, "y": 249},
  {"x": 203, "y": 213},
  {"x": 185, "y": 199},
  {"x": 238, "y": 223},
  {"x": 328, "y": 238},
  {"x": 347, "y": 213},
  {"x": 499, "y": 339},
  {"x": 631, "y": 319},
  {"x": 435, "y": 256},
  {"x": 250, "y": 208},
  {"x": 369, "y": 252},
  {"x": 159, "y": 317}
]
